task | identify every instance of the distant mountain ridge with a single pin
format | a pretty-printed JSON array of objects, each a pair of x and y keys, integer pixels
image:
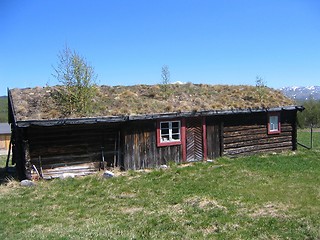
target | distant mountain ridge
[{"x": 302, "y": 93}]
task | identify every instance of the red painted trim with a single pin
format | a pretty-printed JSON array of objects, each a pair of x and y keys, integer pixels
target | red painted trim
[
  {"x": 279, "y": 122},
  {"x": 204, "y": 138},
  {"x": 183, "y": 140},
  {"x": 164, "y": 144},
  {"x": 158, "y": 133}
]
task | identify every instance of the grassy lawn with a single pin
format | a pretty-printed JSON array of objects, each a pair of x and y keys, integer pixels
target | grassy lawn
[
  {"x": 257, "y": 197},
  {"x": 304, "y": 138}
]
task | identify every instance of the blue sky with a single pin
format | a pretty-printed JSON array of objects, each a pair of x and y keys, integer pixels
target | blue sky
[{"x": 128, "y": 41}]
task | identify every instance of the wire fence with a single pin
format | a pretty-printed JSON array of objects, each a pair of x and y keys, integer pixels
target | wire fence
[{"x": 309, "y": 138}]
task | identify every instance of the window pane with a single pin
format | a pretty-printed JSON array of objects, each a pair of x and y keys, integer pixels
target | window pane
[
  {"x": 175, "y": 124},
  {"x": 164, "y": 125},
  {"x": 175, "y": 136},
  {"x": 175, "y": 130},
  {"x": 165, "y": 138},
  {"x": 164, "y": 131},
  {"x": 274, "y": 123}
]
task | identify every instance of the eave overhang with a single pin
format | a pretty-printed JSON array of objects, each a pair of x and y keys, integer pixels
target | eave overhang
[{"x": 125, "y": 118}]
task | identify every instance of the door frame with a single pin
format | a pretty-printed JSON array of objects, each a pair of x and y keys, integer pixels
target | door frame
[{"x": 184, "y": 139}]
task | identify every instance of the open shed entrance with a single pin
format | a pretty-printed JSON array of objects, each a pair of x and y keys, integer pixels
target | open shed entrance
[{"x": 74, "y": 149}]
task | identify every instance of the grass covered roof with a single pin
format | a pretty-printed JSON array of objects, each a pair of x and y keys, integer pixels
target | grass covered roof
[{"x": 38, "y": 103}]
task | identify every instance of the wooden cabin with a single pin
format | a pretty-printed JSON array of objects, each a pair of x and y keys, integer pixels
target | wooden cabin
[
  {"x": 144, "y": 126},
  {"x": 5, "y": 135}
]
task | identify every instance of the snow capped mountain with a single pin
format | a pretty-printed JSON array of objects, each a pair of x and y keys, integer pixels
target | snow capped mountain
[{"x": 302, "y": 93}]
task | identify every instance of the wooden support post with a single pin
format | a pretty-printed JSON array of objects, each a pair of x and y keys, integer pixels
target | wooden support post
[
  {"x": 115, "y": 150},
  {"x": 118, "y": 150},
  {"x": 221, "y": 139},
  {"x": 27, "y": 159},
  {"x": 294, "y": 132},
  {"x": 204, "y": 138},
  {"x": 102, "y": 163},
  {"x": 18, "y": 153},
  {"x": 183, "y": 140},
  {"x": 9, "y": 152}
]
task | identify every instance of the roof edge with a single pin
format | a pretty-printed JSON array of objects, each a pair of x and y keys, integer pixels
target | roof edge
[{"x": 113, "y": 119}]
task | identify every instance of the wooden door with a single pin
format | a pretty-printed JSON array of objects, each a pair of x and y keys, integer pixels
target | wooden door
[{"x": 194, "y": 139}]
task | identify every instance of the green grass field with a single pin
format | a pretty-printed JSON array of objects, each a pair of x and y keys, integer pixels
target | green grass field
[
  {"x": 273, "y": 196},
  {"x": 304, "y": 137}
]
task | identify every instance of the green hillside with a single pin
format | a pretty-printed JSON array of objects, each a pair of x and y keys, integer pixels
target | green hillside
[{"x": 3, "y": 109}]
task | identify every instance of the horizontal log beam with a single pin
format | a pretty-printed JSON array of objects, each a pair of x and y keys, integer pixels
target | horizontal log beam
[
  {"x": 244, "y": 132},
  {"x": 63, "y": 160},
  {"x": 258, "y": 148},
  {"x": 256, "y": 137},
  {"x": 243, "y": 127},
  {"x": 256, "y": 142}
]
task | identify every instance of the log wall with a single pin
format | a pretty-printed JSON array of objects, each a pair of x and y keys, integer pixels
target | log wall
[
  {"x": 247, "y": 134},
  {"x": 140, "y": 147}
]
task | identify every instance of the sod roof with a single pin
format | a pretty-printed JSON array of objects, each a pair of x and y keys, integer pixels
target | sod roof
[{"x": 38, "y": 103}]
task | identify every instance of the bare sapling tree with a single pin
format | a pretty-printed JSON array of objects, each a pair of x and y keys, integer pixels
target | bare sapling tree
[
  {"x": 78, "y": 79},
  {"x": 165, "y": 78},
  {"x": 261, "y": 87}
]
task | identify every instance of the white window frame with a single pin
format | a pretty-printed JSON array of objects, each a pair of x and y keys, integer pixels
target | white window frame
[
  {"x": 274, "y": 125},
  {"x": 170, "y": 131}
]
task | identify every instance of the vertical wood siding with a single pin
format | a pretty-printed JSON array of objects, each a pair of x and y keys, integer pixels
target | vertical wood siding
[
  {"x": 194, "y": 139},
  {"x": 213, "y": 137},
  {"x": 140, "y": 147},
  {"x": 5, "y": 141}
]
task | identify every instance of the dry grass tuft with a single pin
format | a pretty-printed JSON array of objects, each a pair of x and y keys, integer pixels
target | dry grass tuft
[
  {"x": 270, "y": 210},
  {"x": 9, "y": 186},
  {"x": 131, "y": 210},
  {"x": 37, "y": 103},
  {"x": 204, "y": 203}
]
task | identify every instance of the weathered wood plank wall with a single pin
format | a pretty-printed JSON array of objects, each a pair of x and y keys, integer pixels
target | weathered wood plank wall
[
  {"x": 133, "y": 145},
  {"x": 54, "y": 147},
  {"x": 194, "y": 139},
  {"x": 140, "y": 147},
  {"x": 213, "y": 137},
  {"x": 248, "y": 134},
  {"x": 5, "y": 141}
]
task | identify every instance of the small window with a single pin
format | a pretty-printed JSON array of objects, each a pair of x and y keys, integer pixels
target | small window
[
  {"x": 169, "y": 133},
  {"x": 274, "y": 123}
]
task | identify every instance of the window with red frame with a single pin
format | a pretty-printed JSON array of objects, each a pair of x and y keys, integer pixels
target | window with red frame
[
  {"x": 169, "y": 133},
  {"x": 274, "y": 125}
]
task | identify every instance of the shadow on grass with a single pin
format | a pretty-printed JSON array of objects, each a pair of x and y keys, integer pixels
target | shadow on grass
[{"x": 7, "y": 175}]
